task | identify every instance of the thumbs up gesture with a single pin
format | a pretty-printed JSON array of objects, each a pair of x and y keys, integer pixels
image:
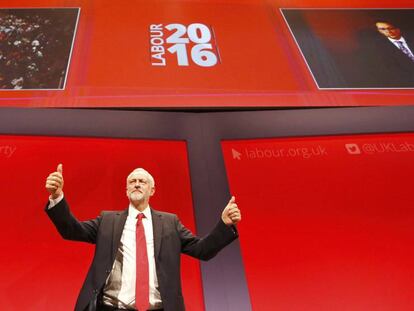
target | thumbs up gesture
[
  {"x": 54, "y": 182},
  {"x": 231, "y": 214}
]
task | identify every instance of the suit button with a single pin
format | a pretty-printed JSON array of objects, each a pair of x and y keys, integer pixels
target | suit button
[
  {"x": 95, "y": 291},
  {"x": 108, "y": 271}
]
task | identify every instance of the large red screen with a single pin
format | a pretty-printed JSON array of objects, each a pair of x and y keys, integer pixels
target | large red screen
[
  {"x": 40, "y": 270},
  {"x": 123, "y": 55},
  {"x": 328, "y": 222}
]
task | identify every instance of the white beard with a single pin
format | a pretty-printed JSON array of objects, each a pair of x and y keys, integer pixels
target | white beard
[{"x": 136, "y": 196}]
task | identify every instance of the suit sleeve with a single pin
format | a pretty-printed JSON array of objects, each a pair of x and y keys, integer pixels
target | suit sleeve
[
  {"x": 207, "y": 247},
  {"x": 71, "y": 228}
]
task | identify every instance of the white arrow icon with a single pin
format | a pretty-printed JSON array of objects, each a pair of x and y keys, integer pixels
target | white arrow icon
[{"x": 236, "y": 154}]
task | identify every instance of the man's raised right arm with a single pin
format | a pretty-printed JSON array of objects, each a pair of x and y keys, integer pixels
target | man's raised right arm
[{"x": 58, "y": 211}]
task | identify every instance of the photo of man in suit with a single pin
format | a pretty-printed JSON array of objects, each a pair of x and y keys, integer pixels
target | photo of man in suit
[
  {"x": 394, "y": 36},
  {"x": 387, "y": 56},
  {"x": 137, "y": 251},
  {"x": 356, "y": 48}
]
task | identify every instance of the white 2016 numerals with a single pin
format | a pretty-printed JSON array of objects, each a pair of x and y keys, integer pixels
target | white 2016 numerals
[{"x": 193, "y": 40}]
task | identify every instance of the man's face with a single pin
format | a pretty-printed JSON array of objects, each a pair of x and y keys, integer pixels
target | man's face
[
  {"x": 139, "y": 188},
  {"x": 389, "y": 30}
]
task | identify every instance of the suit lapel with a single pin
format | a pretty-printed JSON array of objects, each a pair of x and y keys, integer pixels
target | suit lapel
[
  {"x": 157, "y": 228},
  {"x": 397, "y": 53},
  {"x": 119, "y": 223}
]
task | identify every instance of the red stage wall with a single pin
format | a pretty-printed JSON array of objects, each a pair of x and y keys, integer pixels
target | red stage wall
[
  {"x": 328, "y": 222},
  {"x": 40, "y": 270}
]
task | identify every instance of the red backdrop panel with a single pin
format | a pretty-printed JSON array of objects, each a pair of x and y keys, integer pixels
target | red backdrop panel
[
  {"x": 328, "y": 222},
  {"x": 258, "y": 60},
  {"x": 40, "y": 270}
]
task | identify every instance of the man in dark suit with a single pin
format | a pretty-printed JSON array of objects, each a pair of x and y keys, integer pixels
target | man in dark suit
[
  {"x": 386, "y": 58},
  {"x": 137, "y": 254}
]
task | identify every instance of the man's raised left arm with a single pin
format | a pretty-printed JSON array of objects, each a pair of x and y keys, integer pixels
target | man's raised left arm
[{"x": 223, "y": 234}]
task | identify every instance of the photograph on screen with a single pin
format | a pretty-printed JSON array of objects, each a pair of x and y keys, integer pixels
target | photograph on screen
[
  {"x": 355, "y": 48},
  {"x": 35, "y": 47}
]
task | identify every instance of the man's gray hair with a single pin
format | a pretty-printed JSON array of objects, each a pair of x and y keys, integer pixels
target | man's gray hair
[{"x": 149, "y": 176}]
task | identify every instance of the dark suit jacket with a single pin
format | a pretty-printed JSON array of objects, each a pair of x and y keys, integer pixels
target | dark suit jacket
[
  {"x": 170, "y": 239},
  {"x": 382, "y": 65}
]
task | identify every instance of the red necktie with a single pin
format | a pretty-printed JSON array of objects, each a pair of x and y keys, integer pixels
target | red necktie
[{"x": 142, "y": 280}]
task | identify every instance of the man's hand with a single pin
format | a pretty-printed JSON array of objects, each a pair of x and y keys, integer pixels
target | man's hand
[
  {"x": 54, "y": 182},
  {"x": 231, "y": 214}
]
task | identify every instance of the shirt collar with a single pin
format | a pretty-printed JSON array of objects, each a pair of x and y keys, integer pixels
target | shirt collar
[
  {"x": 401, "y": 39},
  {"x": 133, "y": 212}
]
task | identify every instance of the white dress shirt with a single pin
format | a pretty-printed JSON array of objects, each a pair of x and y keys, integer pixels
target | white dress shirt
[{"x": 402, "y": 40}]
